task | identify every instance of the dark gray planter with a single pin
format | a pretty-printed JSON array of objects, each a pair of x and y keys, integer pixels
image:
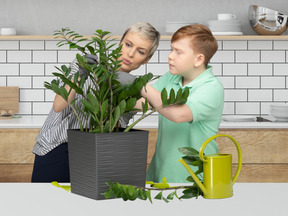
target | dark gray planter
[{"x": 96, "y": 158}]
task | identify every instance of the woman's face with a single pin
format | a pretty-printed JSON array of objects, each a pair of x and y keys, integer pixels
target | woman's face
[{"x": 135, "y": 51}]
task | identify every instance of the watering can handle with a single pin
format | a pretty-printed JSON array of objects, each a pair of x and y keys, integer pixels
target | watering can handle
[{"x": 238, "y": 150}]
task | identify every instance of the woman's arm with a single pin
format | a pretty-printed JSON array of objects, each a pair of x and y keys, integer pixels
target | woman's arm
[
  {"x": 175, "y": 113},
  {"x": 59, "y": 103}
]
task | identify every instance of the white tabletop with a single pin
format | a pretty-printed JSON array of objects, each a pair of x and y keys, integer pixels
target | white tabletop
[{"x": 45, "y": 199}]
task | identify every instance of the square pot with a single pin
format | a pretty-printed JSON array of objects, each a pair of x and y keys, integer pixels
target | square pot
[{"x": 97, "y": 158}]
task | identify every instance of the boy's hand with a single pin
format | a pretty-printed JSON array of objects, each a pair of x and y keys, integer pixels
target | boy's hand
[{"x": 91, "y": 59}]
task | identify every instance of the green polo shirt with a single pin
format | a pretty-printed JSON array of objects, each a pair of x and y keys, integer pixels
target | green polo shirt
[{"x": 205, "y": 101}]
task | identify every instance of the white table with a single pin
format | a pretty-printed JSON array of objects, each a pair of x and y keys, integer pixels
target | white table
[{"x": 45, "y": 199}]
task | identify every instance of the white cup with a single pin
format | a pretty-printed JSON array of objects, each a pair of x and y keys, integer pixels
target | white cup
[
  {"x": 226, "y": 16},
  {"x": 8, "y": 31}
]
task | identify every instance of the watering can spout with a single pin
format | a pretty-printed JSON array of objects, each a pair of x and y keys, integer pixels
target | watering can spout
[{"x": 193, "y": 175}]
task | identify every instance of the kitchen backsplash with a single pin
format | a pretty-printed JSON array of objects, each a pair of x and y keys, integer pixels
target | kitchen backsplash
[{"x": 254, "y": 73}]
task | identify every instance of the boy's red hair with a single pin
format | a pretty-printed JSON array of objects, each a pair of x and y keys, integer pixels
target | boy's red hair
[{"x": 202, "y": 40}]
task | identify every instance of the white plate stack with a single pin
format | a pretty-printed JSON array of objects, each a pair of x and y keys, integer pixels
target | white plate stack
[
  {"x": 239, "y": 118},
  {"x": 279, "y": 112},
  {"x": 172, "y": 27},
  {"x": 225, "y": 25}
]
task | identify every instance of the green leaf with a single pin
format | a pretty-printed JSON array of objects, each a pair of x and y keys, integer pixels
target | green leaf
[
  {"x": 190, "y": 179},
  {"x": 131, "y": 104},
  {"x": 185, "y": 94},
  {"x": 149, "y": 195},
  {"x": 190, "y": 193},
  {"x": 142, "y": 194},
  {"x": 108, "y": 194},
  {"x": 131, "y": 190},
  {"x": 82, "y": 82},
  {"x": 189, "y": 151},
  {"x": 122, "y": 106},
  {"x": 64, "y": 93},
  {"x": 166, "y": 200},
  {"x": 104, "y": 91},
  {"x": 164, "y": 97},
  {"x": 104, "y": 108},
  {"x": 171, "y": 195},
  {"x": 87, "y": 105},
  {"x": 197, "y": 163},
  {"x": 172, "y": 96},
  {"x": 179, "y": 95},
  {"x": 145, "y": 106},
  {"x": 123, "y": 95},
  {"x": 190, "y": 159},
  {"x": 159, "y": 196},
  {"x": 91, "y": 50},
  {"x": 94, "y": 102},
  {"x": 200, "y": 170},
  {"x": 64, "y": 68},
  {"x": 116, "y": 114}
]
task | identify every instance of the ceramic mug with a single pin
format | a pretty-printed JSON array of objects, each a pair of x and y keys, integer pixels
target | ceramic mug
[{"x": 226, "y": 16}]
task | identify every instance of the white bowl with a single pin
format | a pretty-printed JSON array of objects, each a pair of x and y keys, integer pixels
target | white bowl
[
  {"x": 172, "y": 27},
  {"x": 223, "y": 22},
  {"x": 239, "y": 118},
  {"x": 8, "y": 31},
  {"x": 279, "y": 106},
  {"x": 224, "y": 26}
]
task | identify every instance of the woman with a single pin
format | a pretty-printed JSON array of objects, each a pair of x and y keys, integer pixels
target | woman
[{"x": 139, "y": 43}]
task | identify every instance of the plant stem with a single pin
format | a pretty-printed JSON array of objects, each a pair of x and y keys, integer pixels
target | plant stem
[
  {"x": 138, "y": 120},
  {"x": 144, "y": 116},
  {"x": 170, "y": 188},
  {"x": 77, "y": 116}
]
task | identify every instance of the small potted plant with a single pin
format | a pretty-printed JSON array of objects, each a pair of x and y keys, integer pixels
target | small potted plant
[{"x": 100, "y": 151}]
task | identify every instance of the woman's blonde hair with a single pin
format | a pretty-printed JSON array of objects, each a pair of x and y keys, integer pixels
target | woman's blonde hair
[{"x": 147, "y": 31}]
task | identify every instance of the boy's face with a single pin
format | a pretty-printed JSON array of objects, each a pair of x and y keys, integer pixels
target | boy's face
[{"x": 182, "y": 59}]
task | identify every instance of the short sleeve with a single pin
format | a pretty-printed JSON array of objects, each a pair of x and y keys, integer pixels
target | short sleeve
[
  {"x": 162, "y": 82},
  {"x": 206, "y": 102}
]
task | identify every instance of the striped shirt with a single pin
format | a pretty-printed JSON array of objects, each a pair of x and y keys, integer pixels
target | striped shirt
[{"x": 54, "y": 130}]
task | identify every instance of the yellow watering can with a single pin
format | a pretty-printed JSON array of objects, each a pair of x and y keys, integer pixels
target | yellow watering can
[{"x": 217, "y": 171}]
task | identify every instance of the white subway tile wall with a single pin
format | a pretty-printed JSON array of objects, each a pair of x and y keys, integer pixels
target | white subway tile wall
[{"x": 254, "y": 73}]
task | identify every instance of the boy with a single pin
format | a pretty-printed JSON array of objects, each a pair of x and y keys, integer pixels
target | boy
[{"x": 187, "y": 125}]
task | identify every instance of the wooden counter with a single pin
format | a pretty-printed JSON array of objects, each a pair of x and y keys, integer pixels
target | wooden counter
[{"x": 264, "y": 153}]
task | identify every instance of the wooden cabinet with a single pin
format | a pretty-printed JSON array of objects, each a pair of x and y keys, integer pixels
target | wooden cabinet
[
  {"x": 16, "y": 157},
  {"x": 264, "y": 151}
]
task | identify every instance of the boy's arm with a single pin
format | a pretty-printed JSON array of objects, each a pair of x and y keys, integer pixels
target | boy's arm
[{"x": 176, "y": 113}]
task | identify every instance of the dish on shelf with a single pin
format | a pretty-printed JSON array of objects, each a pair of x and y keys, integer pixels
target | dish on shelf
[
  {"x": 172, "y": 27},
  {"x": 227, "y": 33},
  {"x": 279, "y": 111},
  {"x": 281, "y": 119},
  {"x": 239, "y": 118}
]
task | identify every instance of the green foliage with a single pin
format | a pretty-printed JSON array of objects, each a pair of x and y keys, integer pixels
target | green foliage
[
  {"x": 192, "y": 158},
  {"x": 129, "y": 192},
  {"x": 105, "y": 100},
  {"x": 126, "y": 192}
]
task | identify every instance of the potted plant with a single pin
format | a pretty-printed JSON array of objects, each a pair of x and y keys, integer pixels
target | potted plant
[{"x": 100, "y": 151}]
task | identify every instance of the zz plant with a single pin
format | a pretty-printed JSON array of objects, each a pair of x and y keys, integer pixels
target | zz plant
[
  {"x": 105, "y": 99},
  {"x": 130, "y": 192}
]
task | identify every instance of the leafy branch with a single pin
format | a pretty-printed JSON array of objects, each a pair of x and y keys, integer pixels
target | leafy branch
[
  {"x": 105, "y": 100},
  {"x": 181, "y": 99},
  {"x": 129, "y": 192}
]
